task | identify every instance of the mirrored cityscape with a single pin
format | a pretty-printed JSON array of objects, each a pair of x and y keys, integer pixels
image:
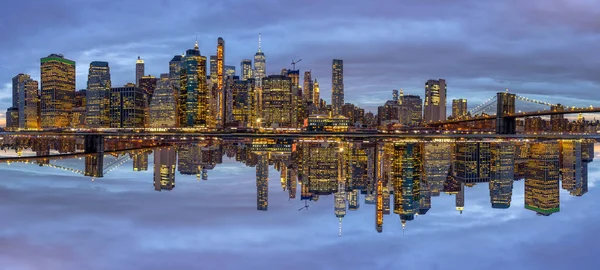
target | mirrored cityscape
[{"x": 398, "y": 176}]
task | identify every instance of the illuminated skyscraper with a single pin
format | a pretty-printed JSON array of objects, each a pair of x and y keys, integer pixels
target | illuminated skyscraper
[
  {"x": 459, "y": 108},
  {"x": 542, "y": 180},
  {"x": 354, "y": 200},
  {"x": 194, "y": 95},
  {"x": 260, "y": 64},
  {"x": 78, "y": 112},
  {"x": 17, "y": 85},
  {"x": 164, "y": 168},
  {"x": 229, "y": 71},
  {"x": 97, "y": 108},
  {"x": 246, "y": 69},
  {"x": 28, "y": 102},
  {"x": 308, "y": 91},
  {"x": 57, "y": 91},
  {"x": 436, "y": 162},
  {"x": 139, "y": 70},
  {"x": 147, "y": 83},
  {"x": 472, "y": 162},
  {"x": 316, "y": 93},
  {"x": 379, "y": 208},
  {"x": 127, "y": 107},
  {"x": 411, "y": 110},
  {"x": 277, "y": 106},
  {"x": 175, "y": 78},
  {"x": 163, "y": 105},
  {"x": 435, "y": 101},
  {"x": 140, "y": 161},
  {"x": 502, "y": 172},
  {"x": 12, "y": 118},
  {"x": 337, "y": 86},
  {"x": 213, "y": 70},
  {"x": 262, "y": 182},
  {"x": 571, "y": 164},
  {"x": 221, "y": 98},
  {"x": 406, "y": 173}
]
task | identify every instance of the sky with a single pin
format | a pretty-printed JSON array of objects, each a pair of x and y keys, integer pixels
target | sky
[
  {"x": 542, "y": 49},
  {"x": 52, "y": 219}
]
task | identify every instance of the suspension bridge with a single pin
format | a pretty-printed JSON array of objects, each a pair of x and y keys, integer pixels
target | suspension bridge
[{"x": 502, "y": 109}]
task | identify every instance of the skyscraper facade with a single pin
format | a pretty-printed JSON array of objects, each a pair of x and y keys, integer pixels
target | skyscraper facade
[
  {"x": 308, "y": 90},
  {"x": 174, "y": 77},
  {"x": 163, "y": 105},
  {"x": 29, "y": 104},
  {"x": 260, "y": 64},
  {"x": 435, "y": 101},
  {"x": 164, "y": 168},
  {"x": 220, "y": 62},
  {"x": 246, "y": 69},
  {"x": 277, "y": 107},
  {"x": 139, "y": 70},
  {"x": 316, "y": 93},
  {"x": 262, "y": 182},
  {"x": 542, "y": 179},
  {"x": 229, "y": 71},
  {"x": 411, "y": 110},
  {"x": 194, "y": 94},
  {"x": 57, "y": 91},
  {"x": 502, "y": 171},
  {"x": 18, "y": 81},
  {"x": 459, "y": 108},
  {"x": 213, "y": 69},
  {"x": 97, "y": 106},
  {"x": 127, "y": 107},
  {"x": 337, "y": 86}
]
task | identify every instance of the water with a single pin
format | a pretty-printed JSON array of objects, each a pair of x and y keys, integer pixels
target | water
[{"x": 220, "y": 211}]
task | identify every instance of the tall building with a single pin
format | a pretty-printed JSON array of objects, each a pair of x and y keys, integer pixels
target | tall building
[
  {"x": 194, "y": 95},
  {"x": 97, "y": 107},
  {"x": 17, "y": 82},
  {"x": 246, "y": 69},
  {"x": 337, "y": 86},
  {"x": 79, "y": 107},
  {"x": 262, "y": 182},
  {"x": 139, "y": 70},
  {"x": 127, "y": 107},
  {"x": 502, "y": 173},
  {"x": 213, "y": 69},
  {"x": 174, "y": 77},
  {"x": 27, "y": 102},
  {"x": 277, "y": 104},
  {"x": 220, "y": 62},
  {"x": 437, "y": 158},
  {"x": 316, "y": 93},
  {"x": 472, "y": 162},
  {"x": 140, "y": 161},
  {"x": 260, "y": 64},
  {"x": 542, "y": 179},
  {"x": 435, "y": 100},
  {"x": 229, "y": 71},
  {"x": 412, "y": 110},
  {"x": 459, "y": 108},
  {"x": 308, "y": 91},
  {"x": 57, "y": 91},
  {"x": 147, "y": 83},
  {"x": 164, "y": 168},
  {"x": 12, "y": 118},
  {"x": 571, "y": 164},
  {"x": 163, "y": 106}
]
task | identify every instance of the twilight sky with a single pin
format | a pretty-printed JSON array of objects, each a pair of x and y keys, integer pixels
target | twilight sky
[
  {"x": 52, "y": 219},
  {"x": 538, "y": 48}
]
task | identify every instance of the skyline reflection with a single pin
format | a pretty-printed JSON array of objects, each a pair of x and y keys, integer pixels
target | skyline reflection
[{"x": 399, "y": 177}]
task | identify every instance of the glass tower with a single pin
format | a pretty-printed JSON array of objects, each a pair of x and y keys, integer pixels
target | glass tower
[
  {"x": 97, "y": 105},
  {"x": 57, "y": 91}
]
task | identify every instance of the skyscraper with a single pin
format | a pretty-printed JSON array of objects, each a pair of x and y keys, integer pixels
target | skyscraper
[
  {"x": 127, "y": 107},
  {"x": 308, "y": 90},
  {"x": 502, "y": 171},
  {"x": 411, "y": 110},
  {"x": 316, "y": 93},
  {"x": 97, "y": 107},
  {"x": 163, "y": 105},
  {"x": 459, "y": 107},
  {"x": 213, "y": 69},
  {"x": 337, "y": 86},
  {"x": 193, "y": 95},
  {"x": 277, "y": 104},
  {"x": 139, "y": 70},
  {"x": 262, "y": 182},
  {"x": 27, "y": 104},
  {"x": 57, "y": 91},
  {"x": 229, "y": 71},
  {"x": 542, "y": 180},
  {"x": 220, "y": 62},
  {"x": 435, "y": 100},
  {"x": 174, "y": 77},
  {"x": 246, "y": 69},
  {"x": 164, "y": 168},
  {"x": 260, "y": 64}
]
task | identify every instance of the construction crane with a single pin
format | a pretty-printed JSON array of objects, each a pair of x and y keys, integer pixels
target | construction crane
[{"x": 294, "y": 63}]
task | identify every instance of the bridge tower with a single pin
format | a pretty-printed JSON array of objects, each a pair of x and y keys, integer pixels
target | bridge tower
[{"x": 506, "y": 123}]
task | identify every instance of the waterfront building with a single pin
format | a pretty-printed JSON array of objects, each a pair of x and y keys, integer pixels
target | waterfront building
[
  {"x": 435, "y": 101},
  {"x": 163, "y": 105},
  {"x": 459, "y": 108},
  {"x": 542, "y": 179},
  {"x": 57, "y": 91},
  {"x": 337, "y": 86},
  {"x": 127, "y": 107},
  {"x": 97, "y": 107}
]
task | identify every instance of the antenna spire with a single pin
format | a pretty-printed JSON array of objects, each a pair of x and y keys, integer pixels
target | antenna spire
[
  {"x": 340, "y": 232},
  {"x": 259, "y": 43},
  {"x": 196, "y": 44}
]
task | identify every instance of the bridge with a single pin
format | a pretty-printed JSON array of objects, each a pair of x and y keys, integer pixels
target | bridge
[{"x": 505, "y": 112}]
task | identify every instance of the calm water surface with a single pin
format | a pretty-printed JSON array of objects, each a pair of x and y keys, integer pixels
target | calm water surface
[{"x": 299, "y": 204}]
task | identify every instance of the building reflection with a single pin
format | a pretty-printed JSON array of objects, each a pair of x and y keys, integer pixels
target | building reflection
[{"x": 399, "y": 176}]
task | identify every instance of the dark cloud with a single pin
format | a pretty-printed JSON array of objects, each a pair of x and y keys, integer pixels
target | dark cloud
[{"x": 534, "y": 47}]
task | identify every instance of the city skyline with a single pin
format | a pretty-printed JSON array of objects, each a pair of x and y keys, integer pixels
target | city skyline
[{"x": 487, "y": 66}]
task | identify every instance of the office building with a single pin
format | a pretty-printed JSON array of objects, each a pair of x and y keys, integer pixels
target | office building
[
  {"x": 57, "y": 91},
  {"x": 316, "y": 93},
  {"x": 542, "y": 179},
  {"x": 277, "y": 106},
  {"x": 78, "y": 114},
  {"x": 17, "y": 85},
  {"x": 246, "y": 69},
  {"x": 411, "y": 113},
  {"x": 260, "y": 64},
  {"x": 193, "y": 103},
  {"x": 502, "y": 173},
  {"x": 262, "y": 182},
  {"x": 571, "y": 164},
  {"x": 213, "y": 70},
  {"x": 459, "y": 108},
  {"x": 12, "y": 118},
  {"x": 229, "y": 71},
  {"x": 27, "y": 103},
  {"x": 472, "y": 162},
  {"x": 97, "y": 108},
  {"x": 435, "y": 101},
  {"x": 164, "y": 168},
  {"x": 436, "y": 163},
  {"x": 139, "y": 70},
  {"x": 307, "y": 90},
  {"x": 337, "y": 86},
  {"x": 163, "y": 106},
  {"x": 127, "y": 107}
]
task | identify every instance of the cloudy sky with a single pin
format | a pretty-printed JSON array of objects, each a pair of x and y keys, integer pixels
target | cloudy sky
[
  {"x": 52, "y": 219},
  {"x": 543, "y": 49}
]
